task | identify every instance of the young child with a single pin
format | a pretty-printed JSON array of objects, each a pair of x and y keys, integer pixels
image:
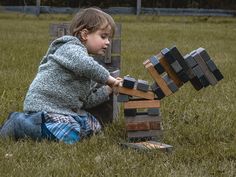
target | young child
[{"x": 65, "y": 84}]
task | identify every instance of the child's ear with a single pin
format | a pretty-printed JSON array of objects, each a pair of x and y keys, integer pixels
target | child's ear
[{"x": 84, "y": 34}]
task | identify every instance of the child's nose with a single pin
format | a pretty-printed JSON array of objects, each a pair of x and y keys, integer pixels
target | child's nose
[{"x": 107, "y": 41}]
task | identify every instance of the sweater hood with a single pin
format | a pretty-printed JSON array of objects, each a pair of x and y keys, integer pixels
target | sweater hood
[{"x": 59, "y": 42}]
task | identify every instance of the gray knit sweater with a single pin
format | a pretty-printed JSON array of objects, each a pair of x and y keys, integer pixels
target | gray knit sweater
[{"x": 65, "y": 80}]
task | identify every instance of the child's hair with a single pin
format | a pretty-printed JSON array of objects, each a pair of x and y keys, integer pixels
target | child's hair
[{"x": 91, "y": 19}]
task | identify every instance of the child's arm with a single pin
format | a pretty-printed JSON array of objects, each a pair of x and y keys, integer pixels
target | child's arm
[{"x": 102, "y": 94}]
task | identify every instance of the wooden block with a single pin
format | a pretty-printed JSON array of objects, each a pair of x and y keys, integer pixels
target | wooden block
[
  {"x": 199, "y": 73},
  {"x": 196, "y": 83},
  {"x": 123, "y": 98},
  {"x": 155, "y": 62},
  {"x": 154, "y": 112},
  {"x": 148, "y": 145},
  {"x": 161, "y": 83},
  {"x": 135, "y": 126},
  {"x": 190, "y": 61},
  {"x": 130, "y": 112},
  {"x": 216, "y": 72},
  {"x": 166, "y": 53},
  {"x": 157, "y": 90},
  {"x": 140, "y": 118},
  {"x": 144, "y": 134},
  {"x": 205, "y": 56},
  {"x": 134, "y": 92},
  {"x": 128, "y": 82},
  {"x": 142, "y": 85},
  {"x": 187, "y": 73},
  {"x": 176, "y": 66},
  {"x": 169, "y": 70},
  {"x": 210, "y": 77},
  {"x": 142, "y": 104},
  {"x": 173, "y": 87},
  {"x": 142, "y": 126}
]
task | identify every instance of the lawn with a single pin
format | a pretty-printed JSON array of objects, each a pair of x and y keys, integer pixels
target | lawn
[{"x": 201, "y": 125}]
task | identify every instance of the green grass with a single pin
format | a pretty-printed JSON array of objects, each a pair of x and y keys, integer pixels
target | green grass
[{"x": 200, "y": 125}]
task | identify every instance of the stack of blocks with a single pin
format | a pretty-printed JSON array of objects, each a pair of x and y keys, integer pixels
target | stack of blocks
[
  {"x": 170, "y": 70},
  {"x": 141, "y": 109}
]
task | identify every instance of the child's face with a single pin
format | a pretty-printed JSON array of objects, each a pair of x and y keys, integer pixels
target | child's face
[{"x": 98, "y": 41}]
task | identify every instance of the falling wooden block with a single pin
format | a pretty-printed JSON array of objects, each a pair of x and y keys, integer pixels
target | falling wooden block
[
  {"x": 157, "y": 90},
  {"x": 166, "y": 53},
  {"x": 210, "y": 77},
  {"x": 142, "y": 85},
  {"x": 210, "y": 64},
  {"x": 159, "y": 80},
  {"x": 173, "y": 87},
  {"x": 199, "y": 73},
  {"x": 216, "y": 72},
  {"x": 142, "y": 104},
  {"x": 149, "y": 145},
  {"x": 191, "y": 63},
  {"x": 157, "y": 65},
  {"x": 172, "y": 74},
  {"x": 128, "y": 82},
  {"x": 134, "y": 92}
]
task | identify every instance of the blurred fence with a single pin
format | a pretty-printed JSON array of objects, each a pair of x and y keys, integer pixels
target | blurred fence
[{"x": 124, "y": 10}]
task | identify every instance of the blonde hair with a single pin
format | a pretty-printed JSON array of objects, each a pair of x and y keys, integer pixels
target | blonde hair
[{"x": 91, "y": 19}]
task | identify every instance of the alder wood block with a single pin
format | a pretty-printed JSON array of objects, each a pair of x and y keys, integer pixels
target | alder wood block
[
  {"x": 166, "y": 53},
  {"x": 193, "y": 78},
  {"x": 173, "y": 87},
  {"x": 157, "y": 90},
  {"x": 202, "y": 78},
  {"x": 130, "y": 112},
  {"x": 145, "y": 134},
  {"x": 190, "y": 61},
  {"x": 142, "y": 126},
  {"x": 205, "y": 56},
  {"x": 159, "y": 80},
  {"x": 176, "y": 67},
  {"x": 140, "y": 118},
  {"x": 172, "y": 74},
  {"x": 142, "y": 104},
  {"x": 134, "y": 92},
  {"x": 128, "y": 82},
  {"x": 142, "y": 85},
  {"x": 123, "y": 98},
  {"x": 157, "y": 65},
  {"x": 148, "y": 145},
  {"x": 176, "y": 54},
  {"x": 213, "y": 68},
  {"x": 210, "y": 77},
  {"x": 154, "y": 112}
]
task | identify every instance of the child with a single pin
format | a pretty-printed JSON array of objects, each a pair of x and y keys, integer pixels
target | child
[{"x": 65, "y": 84}]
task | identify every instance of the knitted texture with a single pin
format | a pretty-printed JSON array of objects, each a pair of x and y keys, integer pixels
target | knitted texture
[{"x": 65, "y": 80}]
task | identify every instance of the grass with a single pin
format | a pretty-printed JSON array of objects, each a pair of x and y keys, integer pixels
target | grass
[{"x": 200, "y": 125}]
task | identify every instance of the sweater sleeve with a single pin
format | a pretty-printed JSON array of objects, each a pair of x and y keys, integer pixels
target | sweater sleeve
[
  {"x": 75, "y": 58},
  {"x": 97, "y": 97}
]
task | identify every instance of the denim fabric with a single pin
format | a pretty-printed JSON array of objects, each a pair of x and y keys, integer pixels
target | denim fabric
[{"x": 22, "y": 125}]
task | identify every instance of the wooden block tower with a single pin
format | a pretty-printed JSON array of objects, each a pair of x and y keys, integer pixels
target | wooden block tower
[
  {"x": 170, "y": 71},
  {"x": 141, "y": 110}
]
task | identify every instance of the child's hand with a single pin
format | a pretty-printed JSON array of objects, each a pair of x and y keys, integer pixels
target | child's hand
[{"x": 114, "y": 82}]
